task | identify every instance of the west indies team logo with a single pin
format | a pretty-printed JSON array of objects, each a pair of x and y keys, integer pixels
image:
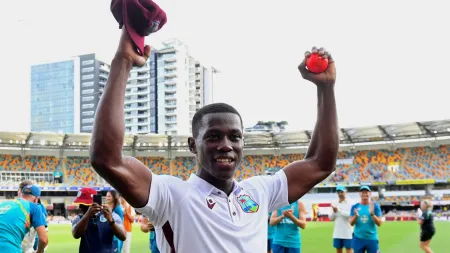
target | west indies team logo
[{"x": 247, "y": 204}]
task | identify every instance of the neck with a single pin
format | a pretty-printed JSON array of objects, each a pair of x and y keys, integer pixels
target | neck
[
  {"x": 365, "y": 202},
  {"x": 225, "y": 185},
  {"x": 342, "y": 200}
]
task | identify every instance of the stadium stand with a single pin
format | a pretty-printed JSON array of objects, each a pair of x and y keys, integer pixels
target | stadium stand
[
  {"x": 402, "y": 160},
  {"x": 366, "y": 166}
]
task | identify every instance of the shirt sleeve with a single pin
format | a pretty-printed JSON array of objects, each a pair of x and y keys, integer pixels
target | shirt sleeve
[
  {"x": 377, "y": 210},
  {"x": 75, "y": 221},
  {"x": 117, "y": 219},
  {"x": 36, "y": 216},
  {"x": 275, "y": 188},
  {"x": 161, "y": 199},
  {"x": 345, "y": 212}
]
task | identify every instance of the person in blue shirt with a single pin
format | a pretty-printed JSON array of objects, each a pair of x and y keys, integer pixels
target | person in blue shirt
[
  {"x": 18, "y": 216},
  {"x": 97, "y": 225},
  {"x": 270, "y": 234},
  {"x": 44, "y": 212},
  {"x": 147, "y": 226},
  {"x": 113, "y": 202},
  {"x": 288, "y": 220},
  {"x": 365, "y": 217}
]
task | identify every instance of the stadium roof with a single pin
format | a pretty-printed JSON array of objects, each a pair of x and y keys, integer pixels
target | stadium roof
[{"x": 396, "y": 133}]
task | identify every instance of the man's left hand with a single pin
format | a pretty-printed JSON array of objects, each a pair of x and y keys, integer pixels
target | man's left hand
[
  {"x": 372, "y": 209},
  {"x": 328, "y": 77},
  {"x": 107, "y": 213}
]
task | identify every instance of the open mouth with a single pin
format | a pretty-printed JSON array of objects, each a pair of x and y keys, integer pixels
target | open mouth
[{"x": 224, "y": 160}]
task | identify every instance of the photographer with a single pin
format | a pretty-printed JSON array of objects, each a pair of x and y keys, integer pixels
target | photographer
[{"x": 97, "y": 226}]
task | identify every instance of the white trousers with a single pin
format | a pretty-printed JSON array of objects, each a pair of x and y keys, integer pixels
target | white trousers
[{"x": 127, "y": 243}]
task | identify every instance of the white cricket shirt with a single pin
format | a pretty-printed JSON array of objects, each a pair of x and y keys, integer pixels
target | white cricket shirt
[
  {"x": 342, "y": 227},
  {"x": 194, "y": 216}
]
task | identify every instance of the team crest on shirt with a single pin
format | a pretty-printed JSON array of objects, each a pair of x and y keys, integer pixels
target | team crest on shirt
[
  {"x": 102, "y": 219},
  {"x": 247, "y": 204}
]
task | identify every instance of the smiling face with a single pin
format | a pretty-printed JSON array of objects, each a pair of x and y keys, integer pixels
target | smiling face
[
  {"x": 219, "y": 145},
  {"x": 109, "y": 198},
  {"x": 365, "y": 195}
]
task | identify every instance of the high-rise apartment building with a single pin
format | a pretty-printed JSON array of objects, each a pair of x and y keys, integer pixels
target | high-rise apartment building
[
  {"x": 141, "y": 99},
  {"x": 181, "y": 86},
  {"x": 161, "y": 97},
  {"x": 93, "y": 76},
  {"x": 55, "y": 97},
  {"x": 65, "y": 94}
]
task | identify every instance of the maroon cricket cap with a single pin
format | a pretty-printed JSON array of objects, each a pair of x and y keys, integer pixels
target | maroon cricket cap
[{"x": 140, "y": 17}]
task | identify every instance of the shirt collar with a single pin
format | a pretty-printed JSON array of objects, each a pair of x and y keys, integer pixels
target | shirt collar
[{"x": 207, "y": 188}]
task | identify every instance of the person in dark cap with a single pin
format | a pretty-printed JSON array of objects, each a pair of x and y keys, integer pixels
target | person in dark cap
[
  {"x": 210, "y": 212},
  {"x": 18, "y": 216},
  {"x": 365, "y": 216}
]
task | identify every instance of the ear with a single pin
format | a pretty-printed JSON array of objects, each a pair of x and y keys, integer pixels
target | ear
[{"x": 192, "y": 146}]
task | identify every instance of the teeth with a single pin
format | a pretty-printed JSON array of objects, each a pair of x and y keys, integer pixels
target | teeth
[{"x": 224, "y": 160}]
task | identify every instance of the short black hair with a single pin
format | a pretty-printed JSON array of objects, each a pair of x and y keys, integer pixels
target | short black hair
[{"x": 211, "y": 108}]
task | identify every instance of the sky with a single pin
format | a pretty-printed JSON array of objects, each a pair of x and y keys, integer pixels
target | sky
[{"x": 392, "y": 57}]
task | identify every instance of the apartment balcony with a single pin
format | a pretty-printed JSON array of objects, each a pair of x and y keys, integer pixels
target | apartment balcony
[
  {"x": 170, "y": 97},
  {"x": 103, "y": 75},
  {"x": 170, "y": 105},
  {"x": 139, "y": 77},
  {"x": 137, "y": 93},
  {"x": 170, "y": 74},
  {"x": 170, "y": 88},
  {"x": 136, "y": 100},
  {"x": 135, "y": 108},
  {"x": 170, "y": 66},
  {"x": 170, "y": 113},
  {"x": 105, "y": 68},
  {"x": 171, "y": 81},
  {"x": 170, "y": 58}
]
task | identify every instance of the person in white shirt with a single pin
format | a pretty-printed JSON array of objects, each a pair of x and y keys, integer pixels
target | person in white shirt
[
  {"x": 343, "y": 231},
  {"x": 210, "y": 212}
]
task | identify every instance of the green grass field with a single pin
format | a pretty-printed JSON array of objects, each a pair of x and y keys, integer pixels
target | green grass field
[{"x": 395, "y": 237}]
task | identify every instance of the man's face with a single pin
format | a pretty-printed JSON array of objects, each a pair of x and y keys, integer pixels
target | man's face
[
  {"x": 341, "y": 195},
  {"x": 219, "y": 144},
  {"x": 365, "y": 194}
]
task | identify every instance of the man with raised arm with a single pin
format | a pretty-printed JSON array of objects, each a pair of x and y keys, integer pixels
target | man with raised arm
[{"x": 210, "y": 212}]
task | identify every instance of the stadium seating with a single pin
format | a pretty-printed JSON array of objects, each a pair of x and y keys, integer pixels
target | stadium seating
[{"x": 360, "y": 166}]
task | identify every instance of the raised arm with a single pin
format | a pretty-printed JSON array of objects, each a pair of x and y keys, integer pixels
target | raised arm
[
  {"x": 320, "y": 159},
  {"x": 126, "y": 174}
]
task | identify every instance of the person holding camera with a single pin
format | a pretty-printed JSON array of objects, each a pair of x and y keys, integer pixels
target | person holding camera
[{"x": 97, "y": 225}]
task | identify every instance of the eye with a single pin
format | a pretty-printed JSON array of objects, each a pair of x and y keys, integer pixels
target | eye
[
  {"x": 236, "y": 137},
  {"x": 213, "y": 136}
]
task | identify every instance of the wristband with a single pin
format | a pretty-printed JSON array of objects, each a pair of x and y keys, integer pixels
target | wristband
[{"x": 112, "y": 222}]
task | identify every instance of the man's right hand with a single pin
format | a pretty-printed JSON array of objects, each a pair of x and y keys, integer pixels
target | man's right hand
[
  {"x": 356, "y": 213},
  {"x": 93, "y": 209},
  {"x": 127, "y": 51}
]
